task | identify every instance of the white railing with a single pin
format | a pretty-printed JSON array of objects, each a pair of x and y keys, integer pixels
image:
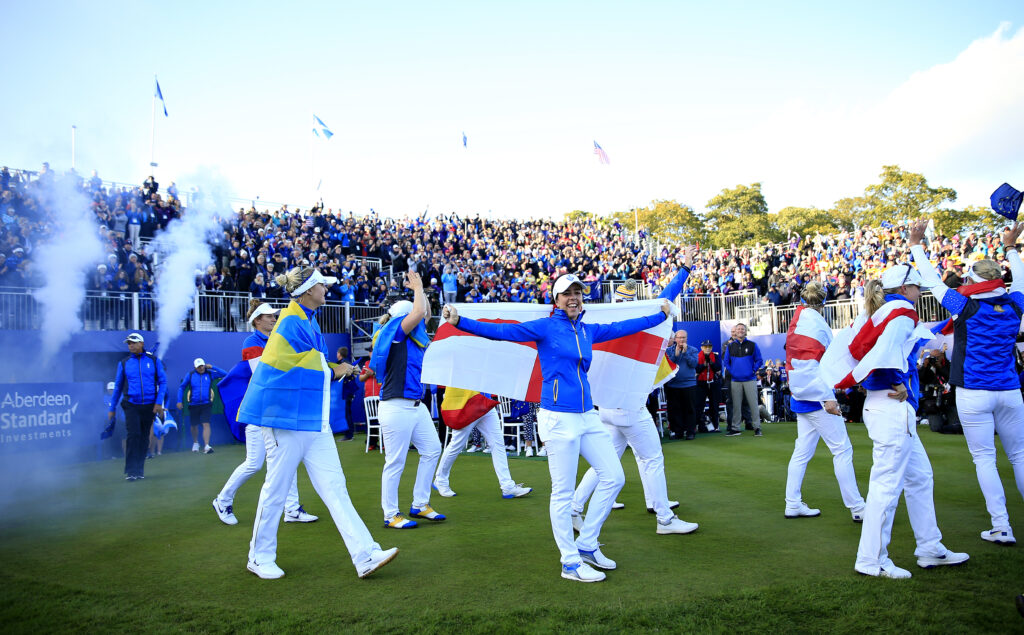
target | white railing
[
  {"x": 766, "y": 318},
  {"x": 714, "y": 307}
]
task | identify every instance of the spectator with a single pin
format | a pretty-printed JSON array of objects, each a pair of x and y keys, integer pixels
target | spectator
[
  {"x": 681, "y": 390},
  {"x": 709, "y": 384},
  {"x": 742, "y": 359}
]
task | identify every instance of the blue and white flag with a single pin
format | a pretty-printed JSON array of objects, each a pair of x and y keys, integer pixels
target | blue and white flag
[
  {"x": 463, "y": 139},
  {"x": 1006, "y": 201},
  {"x": 159, "y": 94},
  {"x": 323, "y": 129}
]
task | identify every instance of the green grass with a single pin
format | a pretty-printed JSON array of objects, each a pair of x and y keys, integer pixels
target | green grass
[{"x": 103, "y": 555}]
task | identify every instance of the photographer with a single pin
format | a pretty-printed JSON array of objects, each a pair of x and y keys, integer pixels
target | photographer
[{"x": 933, "y": 375}]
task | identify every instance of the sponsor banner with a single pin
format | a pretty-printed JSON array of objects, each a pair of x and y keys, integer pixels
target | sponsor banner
[{"x": 52, "y": 416}]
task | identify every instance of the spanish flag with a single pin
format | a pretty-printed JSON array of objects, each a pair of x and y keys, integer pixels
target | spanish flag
[
  {"x": 666, "y": 371},
  {"x": 462, "y": 407}
]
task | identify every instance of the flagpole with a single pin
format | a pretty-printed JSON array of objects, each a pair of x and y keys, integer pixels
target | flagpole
[{"x": 152, "y": 132}]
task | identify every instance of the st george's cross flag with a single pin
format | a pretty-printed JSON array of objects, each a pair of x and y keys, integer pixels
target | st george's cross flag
[
  {"x": 622, "y": 373},
  {"x": 882, "y": 340},
  {"x": 808, "y": 337}
]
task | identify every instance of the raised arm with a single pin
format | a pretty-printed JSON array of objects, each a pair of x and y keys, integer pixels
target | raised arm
[
  {"x": 950, "y": 299},
  {"x": 605, "y": 332},
  {"x": 1016, "y": 266},
  {"x": 675, "y": 287}
]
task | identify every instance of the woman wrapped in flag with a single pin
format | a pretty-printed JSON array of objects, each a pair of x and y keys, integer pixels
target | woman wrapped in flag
[
  {"x": 880, "y": 352},
  {"x": 636, "y": 429},
  {"x": 397, "y": 362},
  {"x": 817, "y": 411},
  {"x": 567, "y": 420},
  {"x": 986, "y": 319},
  {"x": 289, "y": 398},
  {"x": 262, "y": 318},
  {"x": 463, "y": 412}
]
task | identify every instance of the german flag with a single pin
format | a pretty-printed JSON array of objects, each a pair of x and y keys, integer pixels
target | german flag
[{"x": 462, "y": 407}]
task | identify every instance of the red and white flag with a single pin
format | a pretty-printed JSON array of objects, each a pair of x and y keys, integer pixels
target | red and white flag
[
  {"x": 883, "y": 340},
  {"x": 621, "y": 375},
  {"x": 806, "y": 341}
]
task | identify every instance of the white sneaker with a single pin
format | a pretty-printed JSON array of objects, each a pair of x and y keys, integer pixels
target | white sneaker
[
  {"x": 300, "y": 516},
  {"x": 510, "y": 448},
  {"x": 517, "y": 492},
  {"x": 618, "y": 505},
  {"x": 487, "y": 450},
  {"x": 677, "y": 526},
  {"x": 378, "y": 559},
  {"x": 473, "y": 448},
  {"x": 887, "y": 571},
  {"x": 581, "y": 572},
  {"x": 577, "y": 522},
  {"x": 597, "y": 559},
  {"x": 543, "y": 451},
  {"x": 528, "y": 451},
  {"x": 999, "y": 536},
  {"x": 267, "y": 570},
  {"x": 208, "y": 450},
  {"x": 444, "y": 490},
  {"x": 195, "y": 447},
  {"x": 802, "y": 512},
  {"x": 225, "y": 513},
  {"x": 857, "y": 515},
  {"x": 950, "y": 558}
]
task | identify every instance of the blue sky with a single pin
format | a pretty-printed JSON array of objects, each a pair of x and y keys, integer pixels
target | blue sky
[{"x": 686, "y": 98}]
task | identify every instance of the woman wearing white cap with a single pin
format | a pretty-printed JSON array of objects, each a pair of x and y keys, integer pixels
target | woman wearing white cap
[
  {"x": 988, "y": 400},
  {"x": 397, "y": 361},
  {"x": 289, "y": 397},
  {"x": 567, "y": 420},
  {"x": 261, "y": 318},
  {"x": 879, "y": 351}
]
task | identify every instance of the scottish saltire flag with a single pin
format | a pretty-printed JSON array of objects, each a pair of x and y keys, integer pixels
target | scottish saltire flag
[
  {"x": 323, "y": 129},
  {"x": 290, "y": 387},
  {"x": 806, "y": 341},
  {"x": 602, "y": 156},
  {"x": 883, "y": 340},
  {"x": 1006, "y": 201},
  {"x": 232, "y": 389},
  {"x": 463, "y": 139},
  {"x": 461, "y": 407},
  {"x": 621, "y": 375},
  {"x": 160, "y": 95}
]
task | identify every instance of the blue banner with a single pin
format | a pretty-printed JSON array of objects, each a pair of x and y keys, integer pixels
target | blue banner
[{"x": 50, "y": 417}]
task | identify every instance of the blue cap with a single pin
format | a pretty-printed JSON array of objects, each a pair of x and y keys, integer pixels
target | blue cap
[{"x": 1006, "y": 201}]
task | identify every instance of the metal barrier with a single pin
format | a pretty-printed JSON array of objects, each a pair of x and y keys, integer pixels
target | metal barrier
[
  {"x": 713, "y": 307},
  {"x": 838, "y": 314}
]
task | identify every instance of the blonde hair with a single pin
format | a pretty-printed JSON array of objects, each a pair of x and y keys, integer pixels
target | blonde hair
[
  {"x": 874, "y": 296},
  {"x": 987, "y": 269},
  {"x": 382, "y": 320},
  {"x": 813, "y": 293},
  {"x": 293, "y": 278},
  {"x": 253, "y": 304}
]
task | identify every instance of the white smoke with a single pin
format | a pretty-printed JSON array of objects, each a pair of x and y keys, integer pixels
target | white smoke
[
  {"x": 64, "y": 262},
  {"x": 184, "y": 248}
]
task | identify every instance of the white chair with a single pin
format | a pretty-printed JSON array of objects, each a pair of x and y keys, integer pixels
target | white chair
[
  {"x": 509, "y": 427},
  {"x": 662, "y": 420},
  {"x": 370, "y": 405}
]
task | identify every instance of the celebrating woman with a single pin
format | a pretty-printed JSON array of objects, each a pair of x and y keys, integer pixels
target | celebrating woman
[
  {"x": 988, "y": 399},
  {"x": 567, "y": 420},
  {"x": 289, "y": 398}
]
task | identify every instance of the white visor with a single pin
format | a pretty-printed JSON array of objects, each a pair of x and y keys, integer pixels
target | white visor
[
  {"x": 263, "y": 309},
  {"x": 313, "y": 280}
]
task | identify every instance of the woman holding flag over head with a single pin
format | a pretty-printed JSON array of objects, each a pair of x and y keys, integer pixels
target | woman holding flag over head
[
  {"x": 636, "y": 429},
  {"x": 879, "y": 351},
  {"x": 567, "y": 420},
  {"x": 986, "y": 320},
  {"x": 397, "y": 362},
  {"x": 289, "y": 397}
]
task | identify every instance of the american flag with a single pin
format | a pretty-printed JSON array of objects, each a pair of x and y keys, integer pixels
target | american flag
[{"x": 602, "y": 156}]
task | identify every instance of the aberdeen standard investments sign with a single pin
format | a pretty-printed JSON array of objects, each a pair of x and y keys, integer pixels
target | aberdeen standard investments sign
[{"x": 36, "y": 417}]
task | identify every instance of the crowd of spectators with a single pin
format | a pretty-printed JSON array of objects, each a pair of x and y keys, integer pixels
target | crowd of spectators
[{"x": 459, "y": 259}]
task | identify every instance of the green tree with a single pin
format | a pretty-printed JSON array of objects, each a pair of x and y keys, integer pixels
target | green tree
[
  {"x": 668, "y": 221},
  {"x": 578, "y": 215},
  {"x": 949, "y": 222},
  {"x": 811, "y": 220},
  {"x": 900, "y": 196},
  {"x": 739, "y": 216}
]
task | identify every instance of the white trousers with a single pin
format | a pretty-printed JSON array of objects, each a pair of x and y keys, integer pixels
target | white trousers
[
  {"x": 567, "y": 436},
  {"x": 811, "y": 426},
  {"x": 285, "y": 449},
  {"x": 983, "y": 413},
  {"x": 900, "y": 465},
  {"x": 636, "y": 429},
  {"x": 402, "y": 423},
  {"x": 255, "y": 454},
  {"x": 490, "y": 427}
]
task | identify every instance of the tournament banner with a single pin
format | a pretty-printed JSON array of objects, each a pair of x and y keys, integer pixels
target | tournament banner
[{"x": 50, "y": 417}]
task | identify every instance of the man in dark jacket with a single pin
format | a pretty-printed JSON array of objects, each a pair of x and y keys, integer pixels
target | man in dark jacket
[
  {"x": 709, "y": 384},
  {"x": 742, "y": 358},
  {"x": 141, "y": 381}
]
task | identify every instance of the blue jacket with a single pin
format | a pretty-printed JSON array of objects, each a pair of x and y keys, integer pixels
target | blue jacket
[
  {"x": 564, "y": 348},
  {"x": 742, "y": 360},
  {"x": 984, "y": 336},
  {"x": 141, "y": 379},
  {"x": 200, "y": 386},
  {"x": 686, "y": 376}
]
